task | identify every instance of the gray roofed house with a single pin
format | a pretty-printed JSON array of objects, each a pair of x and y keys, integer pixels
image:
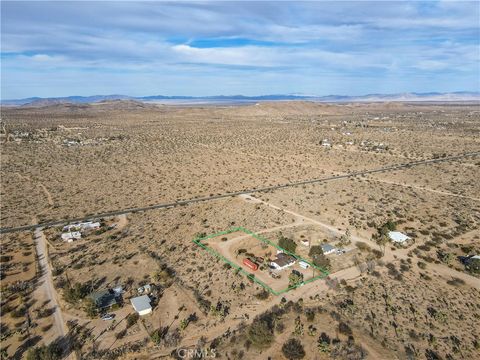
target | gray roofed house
[
  {"x": 327, "y": 249},
  {"x": 105, "y": 298}
]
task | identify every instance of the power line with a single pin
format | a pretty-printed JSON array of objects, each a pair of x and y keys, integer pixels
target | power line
[{"x": 232, "y": 194}]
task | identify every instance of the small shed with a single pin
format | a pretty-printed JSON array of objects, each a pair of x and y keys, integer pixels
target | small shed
[
  {"x": 249, "y": 263},
  {"x": 305, "y": 242},
  {"x": 304, "y": 264},
  {"x": 141, "y": 304}
]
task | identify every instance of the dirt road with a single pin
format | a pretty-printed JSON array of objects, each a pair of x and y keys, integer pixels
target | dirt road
[
  {"x": 236, "y": 193},
  {"x": 46, "y": 287}
]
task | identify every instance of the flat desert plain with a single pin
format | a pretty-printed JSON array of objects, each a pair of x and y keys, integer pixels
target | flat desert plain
[{"x": 381, "y": 300}]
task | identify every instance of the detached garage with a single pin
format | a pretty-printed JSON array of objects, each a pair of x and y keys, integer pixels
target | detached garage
[{"x": 141, "y": 304}]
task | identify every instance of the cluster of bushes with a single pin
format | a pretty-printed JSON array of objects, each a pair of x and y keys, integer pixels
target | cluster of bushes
[
  {"x": 261, "y": 332},
  {"x": 73, "y": 294},
  {"x": 45, "y": 352},
  {"x": 393, "y": 272},
  {"x": 132, "y": 319},
  {"x": 293, "y": 349},
  {"x": 318, "y": 257},
  {"x": 165, "y": 276},
  {"x": 203, "y": 303},
  {"x": 287, "y": 244}
]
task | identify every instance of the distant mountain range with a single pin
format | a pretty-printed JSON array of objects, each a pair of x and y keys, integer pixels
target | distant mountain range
[{"x": 407, "y": 97}]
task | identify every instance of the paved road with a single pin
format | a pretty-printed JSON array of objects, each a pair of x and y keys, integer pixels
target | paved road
[{"x": 232, "y": 194}]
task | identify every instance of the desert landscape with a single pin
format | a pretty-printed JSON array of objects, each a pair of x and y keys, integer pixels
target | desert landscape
[{"x": 399, "y": 246}]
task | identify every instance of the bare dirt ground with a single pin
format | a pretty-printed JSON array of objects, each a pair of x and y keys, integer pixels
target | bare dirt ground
[{"x": 408, "y": 302}]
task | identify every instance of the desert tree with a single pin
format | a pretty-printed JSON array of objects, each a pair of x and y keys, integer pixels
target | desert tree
[{"x": 293, "y": 349}]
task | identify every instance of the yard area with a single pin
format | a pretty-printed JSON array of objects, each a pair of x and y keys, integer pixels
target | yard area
[{"x": 237, "y": 247}]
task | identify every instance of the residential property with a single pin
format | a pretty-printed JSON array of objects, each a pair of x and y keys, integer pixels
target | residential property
[
  {"x": 82, "y": 226},
  {"x": 283, "y": 261},
  {"x": 326, "y": 143},
  {"x": 305, "y": 242},
  {"x": 398, "y": 237},
  {"x": 141, "y": 304},
  {"x": 328, "y": 249},
  {"x": 104, "y": 299}
]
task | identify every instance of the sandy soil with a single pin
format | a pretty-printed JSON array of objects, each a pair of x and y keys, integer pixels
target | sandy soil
[{"x": 124, "y": 156}]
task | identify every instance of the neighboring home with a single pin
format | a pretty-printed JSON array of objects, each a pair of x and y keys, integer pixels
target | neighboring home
[
  {"x": 398, "y": 237},
  {"x": 305, "y": 242},
  {"x": 69, "y": 236},
  {"x": 328, "y": 249},
  {"x": 104, "y": 299},
  {"x": 283, "y": 261},
  {"x": 141, "y": 304},
  {"x": 82, "y": 226},
  {"x": 326, "y": 143}
]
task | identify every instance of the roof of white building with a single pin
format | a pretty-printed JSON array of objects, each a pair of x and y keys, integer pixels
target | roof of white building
[
  {"x": 327, "y": 248},
  {"x": 141, "y": 303},
  {"x": 397, "y": 236}
]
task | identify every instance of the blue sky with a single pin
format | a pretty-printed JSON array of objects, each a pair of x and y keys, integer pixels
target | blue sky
[{"x": 252, "y": 47}]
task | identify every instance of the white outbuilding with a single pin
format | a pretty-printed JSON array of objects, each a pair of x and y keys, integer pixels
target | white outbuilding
[
  {"x": 68, "y": 236},
  {"x": 303, "y": 264},
  {"x": 398, "y": 237},
  {"x": 141, "y": 304}
]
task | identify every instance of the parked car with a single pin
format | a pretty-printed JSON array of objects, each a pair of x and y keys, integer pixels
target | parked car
[{"x": 108, "y": 317}]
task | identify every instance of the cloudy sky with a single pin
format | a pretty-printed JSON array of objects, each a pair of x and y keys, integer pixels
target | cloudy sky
[{"x": 252, "y": 48}]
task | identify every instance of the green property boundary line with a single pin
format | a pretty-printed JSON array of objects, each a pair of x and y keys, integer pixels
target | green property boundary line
[{"x": 198, "y": 241}]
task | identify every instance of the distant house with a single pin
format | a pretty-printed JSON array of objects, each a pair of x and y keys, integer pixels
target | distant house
[
  {"x": 398, "y": 237},
  {"x": 326, "y": 143},
  {"x": 283, "y": 261},
  {"x": 141, "y": 304},
  {"x": 69, "y": 236},
  {"x": 104, "y": 299},
  {"x": 328, "y": 249}
]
